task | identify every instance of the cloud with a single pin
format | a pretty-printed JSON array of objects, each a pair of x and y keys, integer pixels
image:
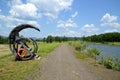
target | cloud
[
  {"x": 113, "y": 30},
  {"x": 51, "y": 8},
  {"x": 66, "y": 24},
  {"x": 35, "y": 23},
  {"x": 74, "y": 15},
  {"x": 110, "y": 21},
  {"x": 13, "y": 22},
  {"x": 89, "y": 28},
  {"x": 37, "y": 8},
  {"x": 14, "y": 2},
  {"x": 107, "y": 18},
  {"x": 0, "y": 10},
  {"x": 24, "y": 11},
  {"x": 112, "y": 24}
]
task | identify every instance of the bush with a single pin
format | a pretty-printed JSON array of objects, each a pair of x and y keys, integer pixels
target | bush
[
  {"x": 93, "y": 52},
  {"x": 110, "y": 62},
  {"x": 80, "y": 46}
]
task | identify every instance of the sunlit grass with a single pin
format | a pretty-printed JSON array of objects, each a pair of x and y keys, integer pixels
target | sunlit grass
[
  {"x": 18, "y": 70},
  {"x": 114, "y": 43},
  {"x": 45, "y": 49},
  {"x": 81, "y": 55}
]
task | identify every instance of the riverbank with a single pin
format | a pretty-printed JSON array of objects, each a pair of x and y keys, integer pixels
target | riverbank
[
  {"x": 84, "y": 50},
  {"x": 106, "y": 43}
]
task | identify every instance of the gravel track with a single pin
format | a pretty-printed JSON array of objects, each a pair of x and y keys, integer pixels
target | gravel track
[{"x": 61, "y": 64}]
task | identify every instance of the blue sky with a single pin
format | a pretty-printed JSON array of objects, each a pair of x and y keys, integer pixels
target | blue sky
[{"x": 73, "y": 18}]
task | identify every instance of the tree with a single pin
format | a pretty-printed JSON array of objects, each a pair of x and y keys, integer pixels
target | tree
[
  {"x": 49, "y": 39},
  {"x": 44, "y": 39}
]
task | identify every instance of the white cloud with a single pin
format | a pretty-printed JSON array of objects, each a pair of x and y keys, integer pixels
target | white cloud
[
  {"x": 51, "y": 8},
  {"x": 107, "y": 18},
  {"x": 113, "y": 24},
  {"x": 113, "y": 30},
  {"x": 37, "y": 8},
  {"x": 0, "y": 10},
  {"x": 89, "y": 28},
  {"x": 35, "y": 23},
  {"x": 13, "y": 22},
  {"x": 66, "y": 24},
  {"x": 110, "y": 21},
  {"x": 24, "y": 11},
  {"x": 14, "y": 2},
  {"x": 74, "y": 15}
]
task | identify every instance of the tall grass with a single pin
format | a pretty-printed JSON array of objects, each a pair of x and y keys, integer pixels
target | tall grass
[
  {"x": 110, "y": 62},
  {"x": 80, "y": 47},
  {"x": 82, "y": 52},
  {"x": 18, "y": 70}
]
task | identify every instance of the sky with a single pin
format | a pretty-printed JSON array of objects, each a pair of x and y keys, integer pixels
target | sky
[{"x": 71, "y": 18}]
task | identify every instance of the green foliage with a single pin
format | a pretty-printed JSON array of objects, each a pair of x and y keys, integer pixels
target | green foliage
[
  {"x": 81, "y": 55},
  {"x": 80, "y": 46},
  {"x": 3, "y": 40},
  {"x": 107, "y": 37},
  {"x": 93, "y": 52},
  {"x": 45, "y": 48},
  {"x": 49, "y": 39},
  {"x": 110, "y": 62}
]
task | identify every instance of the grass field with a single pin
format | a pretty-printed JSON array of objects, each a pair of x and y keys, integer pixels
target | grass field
[{"x": 18, "y": 70}]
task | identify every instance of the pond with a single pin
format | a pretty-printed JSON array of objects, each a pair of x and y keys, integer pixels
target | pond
[{"x": 107, "y": 50}]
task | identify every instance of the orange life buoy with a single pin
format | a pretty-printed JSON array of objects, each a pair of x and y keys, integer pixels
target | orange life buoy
[{"x": 22, "y": 52}]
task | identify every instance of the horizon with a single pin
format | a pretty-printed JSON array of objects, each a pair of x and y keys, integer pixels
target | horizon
[{"x": 70, "y": 18}]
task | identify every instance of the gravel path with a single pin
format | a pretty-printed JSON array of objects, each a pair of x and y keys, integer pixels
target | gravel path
[{"x": 61, "y": 64}]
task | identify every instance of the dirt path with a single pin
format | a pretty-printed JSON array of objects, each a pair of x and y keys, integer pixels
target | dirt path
[{"x": 61, "y": 64}]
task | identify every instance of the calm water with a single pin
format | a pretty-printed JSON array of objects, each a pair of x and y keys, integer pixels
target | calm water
[{"x": 107, "y": 50}]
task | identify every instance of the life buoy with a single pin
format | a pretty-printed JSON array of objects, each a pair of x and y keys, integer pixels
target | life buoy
[{"x": 22, "y": 52}]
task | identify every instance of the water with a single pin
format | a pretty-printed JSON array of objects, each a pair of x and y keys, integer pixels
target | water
[{"x": 107, "y": 50}]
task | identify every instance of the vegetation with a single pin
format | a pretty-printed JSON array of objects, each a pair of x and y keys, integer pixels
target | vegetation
[
  {"x": 82, "y": 52},
  {"x": 110, "y": 62},
  {"x": 80, "y": 49},
  {"x": 45, "y": 48},
  {"x": 18, "y": 70},
  {"x": 3, "y": 40},
  {"x": 93, "y": 52},
  {"x": 80, "y": 46},
  {"x": 51, "y": 39},
  {"x": 107, "y": 37}
]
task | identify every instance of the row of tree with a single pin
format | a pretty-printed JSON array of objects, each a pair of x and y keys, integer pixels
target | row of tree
[
  {"x": 3, "y": 40},
  {"x": 51, "y": 39},
  {"x": 106, "y": 37}
]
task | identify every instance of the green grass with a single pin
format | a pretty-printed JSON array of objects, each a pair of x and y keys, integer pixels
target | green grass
[
  {"x": 81, "y": 55},
  {"x": 18, "y": 70},
  {"x": 80, "y": 47},
  {"x": 114, "y": 43},
  {"x": 45, "y": 49}
]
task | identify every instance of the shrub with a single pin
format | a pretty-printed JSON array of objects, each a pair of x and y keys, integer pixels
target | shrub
[
  {"x": 110, "y": 62},
  {"x": 93, "y": 52}
]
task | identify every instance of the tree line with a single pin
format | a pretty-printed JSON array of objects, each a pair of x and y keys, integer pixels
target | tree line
[
  {"x": 48, "y": 39},
  {"x": 51, "y": 39},
  {"x": 106, "y": 37},
  {"x": 3, "y": 40}
]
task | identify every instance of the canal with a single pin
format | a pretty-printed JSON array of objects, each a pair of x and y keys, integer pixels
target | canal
[{"x": 107, "y": 50}]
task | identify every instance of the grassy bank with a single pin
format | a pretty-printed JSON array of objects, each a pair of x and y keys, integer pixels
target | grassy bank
[
  {"x": 113, "y": 43},
  {"x": 18, "y": 70},
  {"x": 82, "y": 52}
]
